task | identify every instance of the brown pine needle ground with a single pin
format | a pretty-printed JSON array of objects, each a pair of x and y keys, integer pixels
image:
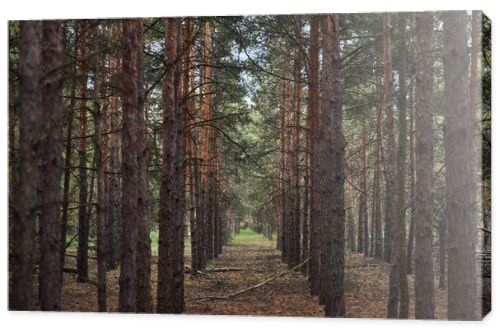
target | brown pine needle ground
[{"x": 255, "y": 260}]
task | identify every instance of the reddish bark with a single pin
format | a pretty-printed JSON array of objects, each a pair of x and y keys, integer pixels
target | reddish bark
[
  {"x": 130, "y": 171},
  {"x": 171, "y": 217}
]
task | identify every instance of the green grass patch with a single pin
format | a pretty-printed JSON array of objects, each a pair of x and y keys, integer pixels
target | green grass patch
[
  {"x": 249, "y": 235},
  {"x": 246, "y": 235},
  {"x": 154, "y": 236},
  {"x": 154, "y": 242}
]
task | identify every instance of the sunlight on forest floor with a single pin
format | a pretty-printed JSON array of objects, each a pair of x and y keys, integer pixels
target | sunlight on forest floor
[{"x": 256, "y": 259}]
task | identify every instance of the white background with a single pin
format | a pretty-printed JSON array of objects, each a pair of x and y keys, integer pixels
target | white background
[{"x": 21, "y": 322}]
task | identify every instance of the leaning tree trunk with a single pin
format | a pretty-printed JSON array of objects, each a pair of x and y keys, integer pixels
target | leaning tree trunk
[
  {"x": 25, "y": 197},
  {"x": 424, "y": 276}
]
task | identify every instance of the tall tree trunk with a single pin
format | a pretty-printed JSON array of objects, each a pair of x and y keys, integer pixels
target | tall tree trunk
[
  {"x": 113, "y": 193},
  {"x": 83, "y": 219},
  {"x": 411, "y": 233},
  {"x": 377, "y": 199},
  {"x": 401, "y": 172},
  {"x": 313, "y": 93},
  {"x": 390, "y": 199},
  {"x": 475, "y": 106},
  {"x": 188, "y": 108},
  {"x": 331, "y": 170},
  {"x": 206, "y": 169},
  {"x": 294, "y": 251},
  {"x": 307, "y": 186},
  {"x": 398, "y": 283},
  {"x": 130, "y": 170},
  {"x": 442, "y": 253},
  {"x": 51, "y": 166},
  {"x": 283, "y": 184},
  {"x": 463, "y": 296},
  {"x": 25, "y": 198},
  {"x": 218, "y": 201},
  {"x": 198, "y": 261},
  {"x": 13, "y": 174},
  {"x": 424, "y": 276},
  {"x": 286, "y": 155},
  {"x": 144, "y": 303},
  {"x": 171, "y": 220},
  {"x": 99, "y": 159},
  {"x": 363, "y": 241},
  {"x": 277, "y": 208},
  {"x": 68, "y": 156},
  {"x": 351, "y": 239},
  {"x": 200, "y": 148}
]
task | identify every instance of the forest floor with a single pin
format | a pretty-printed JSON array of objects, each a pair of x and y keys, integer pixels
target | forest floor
[{"x": 252, "y": 260}]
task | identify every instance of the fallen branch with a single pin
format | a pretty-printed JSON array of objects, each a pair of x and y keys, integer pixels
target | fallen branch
[
  {"x": 366, "y": 266},
  {"x": 237, "y": 293},
  {"x": 221, "y": 270},
  {"x": 373, "y": 298},
  {"x": 73, "y": 255},
  {"x": 187, "y": 269}
]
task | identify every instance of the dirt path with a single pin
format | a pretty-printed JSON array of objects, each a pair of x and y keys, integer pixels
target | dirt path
[
  {"x": 366, "y": 286},
  {"x": 285, "y": 296}
]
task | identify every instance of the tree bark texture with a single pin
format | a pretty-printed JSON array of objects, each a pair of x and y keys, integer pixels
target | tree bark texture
[
  {"x": 171, "y": 221},
  {"x": 130, "y": 171},
  {"x": 463, "y": 297},
  {"x": 25, "y": 197},
  {"x": 424, "y": 276},
  {"x": 331, "y": 170}
]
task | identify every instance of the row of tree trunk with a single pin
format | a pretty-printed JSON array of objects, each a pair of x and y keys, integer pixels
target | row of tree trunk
[
  {"x": 317, "y": 235},
  {"x": 386, "y": 237},
  {"x": 191, "y": 185},
  {"x": 396, "y": 248}
]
